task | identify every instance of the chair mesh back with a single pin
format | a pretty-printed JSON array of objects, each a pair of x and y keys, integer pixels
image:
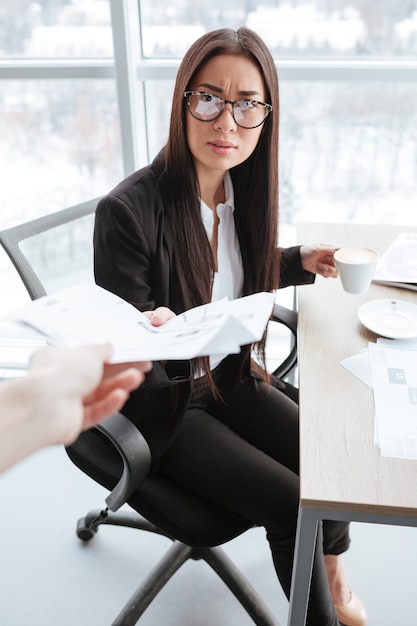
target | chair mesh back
[
  {"x": 63, "y": 255},
  {"x": 55, "y": 251}
]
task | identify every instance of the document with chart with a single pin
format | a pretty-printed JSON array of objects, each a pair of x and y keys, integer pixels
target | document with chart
[
  {"x": 87, "y": 313},
  {"x": 394, "y": 375}
]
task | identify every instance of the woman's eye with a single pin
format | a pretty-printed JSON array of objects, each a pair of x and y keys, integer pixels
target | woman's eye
[{"x": 246, "y": 104}]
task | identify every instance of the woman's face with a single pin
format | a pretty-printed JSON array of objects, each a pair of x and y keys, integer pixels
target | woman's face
[{"x": 221, "y": 144}]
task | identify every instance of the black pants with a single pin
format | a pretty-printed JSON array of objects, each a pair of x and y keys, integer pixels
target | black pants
[{"x": 243, "y": 453}]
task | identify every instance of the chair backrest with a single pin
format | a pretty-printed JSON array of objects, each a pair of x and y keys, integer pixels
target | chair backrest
[{"x": 54, "y": 251}]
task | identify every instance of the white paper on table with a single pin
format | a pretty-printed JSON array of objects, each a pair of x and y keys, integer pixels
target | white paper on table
[
  {"x": 360, "y": 366},
  {"x": 87, "y": 313},
  {"x": 394, "y": 374},
  {"x": 398, "y": 264},
  {"x": 403, "y": 344}
]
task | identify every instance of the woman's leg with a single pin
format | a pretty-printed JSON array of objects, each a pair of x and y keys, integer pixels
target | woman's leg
[
  {"x": 336, "y": 541},
  {"x": 335, "y": 535},
  {"x": 242, "y": 453}
]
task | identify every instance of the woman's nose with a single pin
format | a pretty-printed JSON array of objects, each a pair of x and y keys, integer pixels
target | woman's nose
[{"x": 226, "y": 120}]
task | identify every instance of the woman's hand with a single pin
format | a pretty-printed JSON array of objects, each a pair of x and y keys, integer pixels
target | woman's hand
[
  {"x": 318, "y": 259},
  {"x": 160, "y": 315}
]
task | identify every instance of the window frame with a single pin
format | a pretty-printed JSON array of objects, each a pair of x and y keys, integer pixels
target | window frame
[{"x": 131, "y": 72}]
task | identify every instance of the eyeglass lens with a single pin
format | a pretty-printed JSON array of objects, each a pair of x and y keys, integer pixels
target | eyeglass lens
[{"x": 207, "y": 107}]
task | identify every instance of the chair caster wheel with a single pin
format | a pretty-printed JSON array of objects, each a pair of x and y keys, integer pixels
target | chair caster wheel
[{"x": 85, "y": 533}]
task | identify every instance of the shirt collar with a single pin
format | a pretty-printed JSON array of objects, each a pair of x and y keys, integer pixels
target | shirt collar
[{"x": 229, "y": 203}]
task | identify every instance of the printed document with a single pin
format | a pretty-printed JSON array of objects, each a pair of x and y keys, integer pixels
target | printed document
[
  {"x": 87, "y": 313},
  {"x": 394, "y": 375},
  {"x": 389, "y": 368}
]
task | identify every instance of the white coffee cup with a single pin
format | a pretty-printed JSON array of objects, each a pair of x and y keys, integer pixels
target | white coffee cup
[{"x": 356, "y": 268}]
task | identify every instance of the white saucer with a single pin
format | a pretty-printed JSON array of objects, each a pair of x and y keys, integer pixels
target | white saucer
[{"x": 394, "y": 319}]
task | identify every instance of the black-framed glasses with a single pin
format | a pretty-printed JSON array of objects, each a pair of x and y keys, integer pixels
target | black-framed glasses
[{"x": 206, "y": 107}]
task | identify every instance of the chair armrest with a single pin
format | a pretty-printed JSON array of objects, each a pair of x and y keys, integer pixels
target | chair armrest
[
  {"x": 135, "y": 453},
  {"x": 289, "y": 318}
]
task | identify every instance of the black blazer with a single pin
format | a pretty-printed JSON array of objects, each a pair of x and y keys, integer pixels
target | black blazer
[{"x": 133, "y": 258}]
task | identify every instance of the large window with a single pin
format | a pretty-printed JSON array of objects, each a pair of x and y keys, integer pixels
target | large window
[
  {"x": 348, "y": 76},
  {"x": 76, "y": 114},
  {"x": 300, "y": 29},
  {"x": 59, "y": 118},
  {"x": 86, "y": 88},
  {"x": 348, "y": 152},
  {"x": 60, "y": 144},
  {"x": 55, "y": 29}
]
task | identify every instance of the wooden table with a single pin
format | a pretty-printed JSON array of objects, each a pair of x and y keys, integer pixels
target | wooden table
[{"x": 343, "y": 475}]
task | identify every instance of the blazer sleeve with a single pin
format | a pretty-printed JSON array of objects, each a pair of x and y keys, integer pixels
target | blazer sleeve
[
  {"x": 291, "y": 270},
  {"x": 122, "y": 253},
  {"x": 128, "y": 261}
]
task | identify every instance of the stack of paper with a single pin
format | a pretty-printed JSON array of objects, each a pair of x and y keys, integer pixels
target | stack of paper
[
  {"x": 394, "y": 375},
  {"x": 390, "y": 368},
  {"x": 87, "y": 313}
]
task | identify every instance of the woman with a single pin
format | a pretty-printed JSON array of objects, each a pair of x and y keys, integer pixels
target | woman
[{"x": 198, "y": 224}]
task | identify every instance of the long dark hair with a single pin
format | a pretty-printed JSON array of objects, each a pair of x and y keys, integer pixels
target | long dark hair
[{"x": 255, "y": 181}]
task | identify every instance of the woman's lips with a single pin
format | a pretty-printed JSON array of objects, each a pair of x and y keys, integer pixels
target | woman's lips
[{"x": 223, "y": 148}]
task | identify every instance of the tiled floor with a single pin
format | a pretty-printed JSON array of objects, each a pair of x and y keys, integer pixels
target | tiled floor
[{"x": 49, "y": 578}]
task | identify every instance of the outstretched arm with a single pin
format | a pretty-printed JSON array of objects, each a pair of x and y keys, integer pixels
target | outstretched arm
[{"x": 65, "y": 392}]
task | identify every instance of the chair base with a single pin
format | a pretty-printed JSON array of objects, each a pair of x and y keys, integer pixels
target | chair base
[{"x": 173, "y": 559}]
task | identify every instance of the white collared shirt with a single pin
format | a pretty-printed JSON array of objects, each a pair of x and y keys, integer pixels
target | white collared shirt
[{"x": 228, "y": 280}]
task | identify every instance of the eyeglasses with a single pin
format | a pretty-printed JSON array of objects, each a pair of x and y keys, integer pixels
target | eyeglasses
[{"x": 207, "y": 107}]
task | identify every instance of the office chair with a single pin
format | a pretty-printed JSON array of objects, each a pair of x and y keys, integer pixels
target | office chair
[{"x": 54, "y": 252}]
